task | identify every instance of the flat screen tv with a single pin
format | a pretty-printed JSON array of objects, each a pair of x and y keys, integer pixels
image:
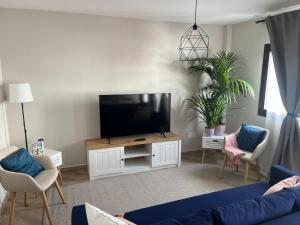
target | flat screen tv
[{"x": 132, "y": 114}]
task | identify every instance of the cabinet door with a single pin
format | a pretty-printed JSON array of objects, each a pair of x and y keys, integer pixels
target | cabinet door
[
  {"x": 107, "y": 161},
  {"x": 164, "y": 153}
]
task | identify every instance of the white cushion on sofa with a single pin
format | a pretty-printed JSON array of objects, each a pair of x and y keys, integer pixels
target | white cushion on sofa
[{"x": 97, "y": 216}]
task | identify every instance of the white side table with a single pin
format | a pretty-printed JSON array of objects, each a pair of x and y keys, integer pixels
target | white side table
[
  {"x": 56, "y": 158},
  {"x": 212, "y": 142}
]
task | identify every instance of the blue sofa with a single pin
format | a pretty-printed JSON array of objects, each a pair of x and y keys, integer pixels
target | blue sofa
[{"x": 164, "y": 212}]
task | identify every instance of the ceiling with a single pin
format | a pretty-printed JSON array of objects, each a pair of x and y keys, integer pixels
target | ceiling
[{"x": 209, "y": 11}]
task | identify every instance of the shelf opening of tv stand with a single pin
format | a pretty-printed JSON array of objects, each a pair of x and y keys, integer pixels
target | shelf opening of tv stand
[
  {"x": 137, "y": 151},
  {"x": 137, "y": 163}
]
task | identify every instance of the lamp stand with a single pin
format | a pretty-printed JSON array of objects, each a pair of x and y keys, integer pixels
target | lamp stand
[
  {"x": 25, "y": 132},
  {"x": 24, "y": 125}
]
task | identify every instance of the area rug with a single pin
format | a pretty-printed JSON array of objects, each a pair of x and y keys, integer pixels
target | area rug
[{"x": 129, "y": 192}]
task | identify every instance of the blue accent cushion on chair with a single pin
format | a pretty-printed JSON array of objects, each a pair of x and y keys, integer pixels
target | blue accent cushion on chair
[
  {"x": 254, "y": 211},
  {"x": 249, "y": 137},
  {"x": 21, "y": 162}
]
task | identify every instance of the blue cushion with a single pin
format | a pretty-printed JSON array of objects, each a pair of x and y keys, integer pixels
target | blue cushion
[
  {"x": 21, "y": 162},
  {"x": 290, "y": 219},
  {"x": 254, "y": 211},
  {"x": 202, "y": 217},
  {"x": 249, "y": 137}
]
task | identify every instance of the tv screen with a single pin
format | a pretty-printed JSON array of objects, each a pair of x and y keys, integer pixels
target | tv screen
[{"x": 133, "y": 114}]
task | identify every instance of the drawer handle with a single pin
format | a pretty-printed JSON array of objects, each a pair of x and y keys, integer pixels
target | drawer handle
[
  {"x": 153, "y": 155},
  {"x": 215, "y": 141},
  {"x": 122, "y": 159}
]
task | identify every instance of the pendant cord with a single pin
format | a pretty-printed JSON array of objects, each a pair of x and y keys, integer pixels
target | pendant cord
[{"x": 196, "y": 6}]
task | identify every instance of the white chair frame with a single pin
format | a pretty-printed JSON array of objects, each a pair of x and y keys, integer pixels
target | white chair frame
[{"x": 250, "y": 158}]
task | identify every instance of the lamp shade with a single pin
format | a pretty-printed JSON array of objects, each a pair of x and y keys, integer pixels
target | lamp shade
[{"x": 20, "y": 93}]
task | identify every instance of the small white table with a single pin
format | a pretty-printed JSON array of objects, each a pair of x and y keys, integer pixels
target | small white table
[
  {"x": 212, "y": 142},
  {"x": 56, "y": 158}
]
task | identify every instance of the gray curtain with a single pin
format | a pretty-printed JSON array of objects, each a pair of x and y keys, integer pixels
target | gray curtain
[{"x": 284, "y": 32}]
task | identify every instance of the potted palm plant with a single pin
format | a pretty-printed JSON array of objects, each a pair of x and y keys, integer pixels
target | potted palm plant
[
  {"x": 208, "y": 107},
  {"x": 220, "y": 69}
]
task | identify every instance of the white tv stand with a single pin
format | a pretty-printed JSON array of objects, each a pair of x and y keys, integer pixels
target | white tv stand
[{"x": 124, "y": 155}]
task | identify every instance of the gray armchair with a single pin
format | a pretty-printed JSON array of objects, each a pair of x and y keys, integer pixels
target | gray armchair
[{"x": 18, "y": 182}]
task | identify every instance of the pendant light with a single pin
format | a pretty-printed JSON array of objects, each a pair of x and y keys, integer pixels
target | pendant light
[{"x": 194, "y": 42}]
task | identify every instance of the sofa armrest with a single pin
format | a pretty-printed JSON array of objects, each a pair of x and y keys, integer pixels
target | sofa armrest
[{"x": 279, "y": 173}]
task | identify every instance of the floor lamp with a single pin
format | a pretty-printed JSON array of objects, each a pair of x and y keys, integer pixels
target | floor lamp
[{"x": 21, "y": 93}]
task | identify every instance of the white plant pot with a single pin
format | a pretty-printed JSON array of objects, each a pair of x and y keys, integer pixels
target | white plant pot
[
  {"x": 209, "y": 132},
  {"x": 220, "y": 130}
]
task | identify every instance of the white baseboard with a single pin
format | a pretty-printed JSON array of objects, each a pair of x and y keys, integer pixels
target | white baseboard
[
  {"x": 74, "y": 165},
  {"x": 191, "y": 149}
]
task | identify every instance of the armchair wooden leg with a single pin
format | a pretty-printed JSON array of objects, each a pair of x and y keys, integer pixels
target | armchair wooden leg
[
  {"x": 44, "y": 209},
  {"x": 246, "y": 172},
  {"x": 12, "y": 207},
  {"x": 223, "y": 166},
  {"x": 46, "y": 206},
  {"x": 60, "y": 192},
  {"x": 26, "y": 199},
  {"x": 60, "y": 176},
  {"x": 43, "y": 215},
  {"x": 203, "y": 155},
  {"x": 258, "y": 169}
]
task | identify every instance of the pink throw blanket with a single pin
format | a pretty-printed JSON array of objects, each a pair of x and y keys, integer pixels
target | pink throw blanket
[{"x": 232, "y": 150}]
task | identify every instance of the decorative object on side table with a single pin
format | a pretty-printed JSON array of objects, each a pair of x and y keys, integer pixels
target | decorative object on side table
[
  {"x": 38, "y": 147},
  {"x": 220, "y": 129},
  {"x": 21, "y": 93},
  {"x": 210, "y": 143}
]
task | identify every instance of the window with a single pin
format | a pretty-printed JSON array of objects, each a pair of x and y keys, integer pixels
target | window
[{"x": 269, "y": 96}]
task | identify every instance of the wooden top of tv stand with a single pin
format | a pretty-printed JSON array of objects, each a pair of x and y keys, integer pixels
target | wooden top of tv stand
[{"x": 129, "y": 141}]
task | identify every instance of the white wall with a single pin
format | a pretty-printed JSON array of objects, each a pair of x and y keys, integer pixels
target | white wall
[
  {"x": 69, "y": 59},
  {"x": 248, "y": 40},
  {"x": 4, "y": 139},
  {"x": 4, "y": 142}
]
